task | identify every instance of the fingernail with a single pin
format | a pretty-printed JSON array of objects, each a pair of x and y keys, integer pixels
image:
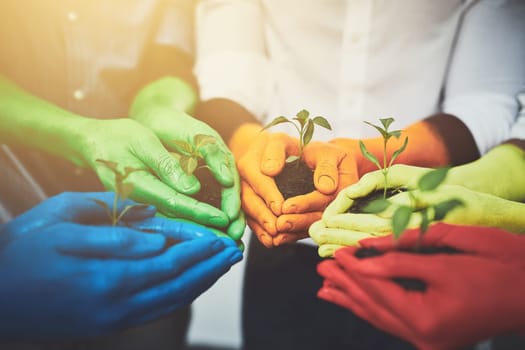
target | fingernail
[
  {"x": 226, "y": 172},
  {"x": 326, "y": 182},
  {"x": 267, "y": 241},
  {"x": 236, "y": 256},
  {"x": 189, "y": 184},
  {"x": 217, "y": 245},
  {"x": 275, "y": 208},
  {"x": 291, "y": 209},
  {"x": 287, "y": 226}
]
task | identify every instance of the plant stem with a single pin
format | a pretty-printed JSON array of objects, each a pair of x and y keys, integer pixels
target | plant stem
[
  {"x": 115, "y": 202},
  {"x": 385, "y": 169}
]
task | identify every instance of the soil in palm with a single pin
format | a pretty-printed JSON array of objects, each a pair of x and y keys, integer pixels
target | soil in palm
[
  {"x": 295, "y": 179},
  {"x": 210, "y": 191}
]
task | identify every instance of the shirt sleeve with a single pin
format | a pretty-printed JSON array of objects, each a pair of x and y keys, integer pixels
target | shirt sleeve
[
  {"x": 231, "y": 60},
  {"x": 488, "y": 70}
]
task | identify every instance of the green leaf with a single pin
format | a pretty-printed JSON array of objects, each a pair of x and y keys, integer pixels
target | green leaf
[
  {"x": 183, "y": 147},
  {"x": 431, "y": 180},
  {"x": 442, "y": 209},
  {"x": 291, "y": 159},
  {"x": 303, "y": 115},
  {"x": 188, "y": 164},
  {"x": 424, "y": 221},
  {"x": 103, "y": 205},
  {"x": 400, "y": 220},
  {"x": 308, "y": 133},
  {"x": 369, "y": 155},
  {"x": 395, "y": 133},
  {"x": 376, "y": 206},
  {"x": 278, "y": 120},
  {"x": 125, "y": 190},
  {"x": 378, "y": 128},
  {"x": 322, "y": 122},
  {"x": 398, "y": 152},
  {"x": 386, "y": 122},
  {"x": 201, "y": 140}
]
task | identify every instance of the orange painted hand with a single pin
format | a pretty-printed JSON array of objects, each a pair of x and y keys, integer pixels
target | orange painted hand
[{"x": 261, "y": 199}]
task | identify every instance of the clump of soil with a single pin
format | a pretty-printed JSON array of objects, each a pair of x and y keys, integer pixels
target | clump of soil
[
  {"x": 360, "y": 203},
  {"x": 412, "y": 284},
  {"x": 210, "y": 191},
  {"x": 295, "y": 179}
]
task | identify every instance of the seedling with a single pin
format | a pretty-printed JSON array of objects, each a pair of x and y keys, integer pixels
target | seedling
[
  {"x": 401, "y": 216},
  {"x": 122, "y": 191},
  {"x": 387, "y": 135},
  {"x": 305, "y": 127},
  {"x": 189, "y": 154}
]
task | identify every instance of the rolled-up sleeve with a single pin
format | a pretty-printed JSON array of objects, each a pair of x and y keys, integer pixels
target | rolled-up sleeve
[
  {"x": 231, "y": 59},
  {"x": 487, "y": 70}
]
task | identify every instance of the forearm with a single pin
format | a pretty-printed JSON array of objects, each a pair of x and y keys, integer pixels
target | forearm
[
  {"x": 437, "y": 141},
  {"x": 499, "y": 172},
  {"x": 30, "y": 121}
]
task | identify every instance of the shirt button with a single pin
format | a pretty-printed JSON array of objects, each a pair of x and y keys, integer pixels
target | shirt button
[
  {"x": 78, "y": 95},
  {"x": 72, "y": 16}
]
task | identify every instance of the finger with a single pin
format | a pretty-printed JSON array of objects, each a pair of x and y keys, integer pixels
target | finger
[
  {"x": 328, "y": 250},
  {"x": 177, "y": 229},
  {"x": 264, "y": 237},
  {"x": 397, "y": 264},
  {"x": 108, "y": 242},
  {"x": 96, "y": 207},
  {"x": 237, "y": 227},
  {"x": 324, "y": 158},
  {"x": 256, "y": 210},
  {"x": 338, "y": 236},
  {"x": 264, "y": 186},
  {"x": 231, "y": 200},
  {"x": 173, "y": 262},
  {"x": 339, "y": 205},
  {"x": 278, "y": 147},
  {"x": 354, "y": 298},
  {"x": 220, "y": 162},
  {"x": 370, "y": 223},
  {"x": 313, "y": 201},
  {"x": 174, "y": 204},
  {"x": 287, "y": 238},
  {"x": 182, "y": 289},
  {"x": 165, "y": 166},
  {"x": 296, "y": 222}
]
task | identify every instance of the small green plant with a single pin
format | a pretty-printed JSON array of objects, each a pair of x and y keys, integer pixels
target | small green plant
[
  {"x": 387, "y": 135},
  {"x": 402, "y": 215},
  {"x": 189, "y": 154},
  {"x": 305, "y": 127},
  {"x": 122, "y": 191}
]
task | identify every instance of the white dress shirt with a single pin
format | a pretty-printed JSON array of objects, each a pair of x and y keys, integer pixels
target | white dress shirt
[{"x": 358, "y": 60}]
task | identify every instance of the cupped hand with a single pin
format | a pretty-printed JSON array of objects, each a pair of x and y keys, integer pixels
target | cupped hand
[
  {"x": 162, "y": 107},
  {"x": 63, "y": 279},
  {"x": 458, "y": 286},
  {"x": 162, "y": 182}
]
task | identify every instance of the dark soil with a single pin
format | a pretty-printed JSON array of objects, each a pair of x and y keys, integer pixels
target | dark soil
[
  {"x": 360, "y": 203},
  {"x": 295, "y": 179},
  {"x": 210, "y": 191},
  {"x": 408, "y": 283}
]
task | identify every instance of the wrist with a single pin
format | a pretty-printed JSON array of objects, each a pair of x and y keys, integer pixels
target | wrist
[{"x": 168, "y": 92}]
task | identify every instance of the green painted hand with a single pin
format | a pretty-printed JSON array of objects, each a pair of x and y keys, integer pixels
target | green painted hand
[
  {"x": 162, "y": 183},
  {"x": 161, "y": 107}
]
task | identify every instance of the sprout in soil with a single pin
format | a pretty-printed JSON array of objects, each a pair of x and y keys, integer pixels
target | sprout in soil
[
  {"x": 189, "y": 155},
  {"x": 385, "y": 167},
  {"x": 402, "y": 215},
  {"x": 122, "y": 191},
  {"x": 305, "y": 127}
]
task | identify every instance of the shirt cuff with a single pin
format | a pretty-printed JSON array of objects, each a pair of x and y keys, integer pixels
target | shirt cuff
[
  {"x": 241, "y": 77},
  {"x": 488, "y": 116}
]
